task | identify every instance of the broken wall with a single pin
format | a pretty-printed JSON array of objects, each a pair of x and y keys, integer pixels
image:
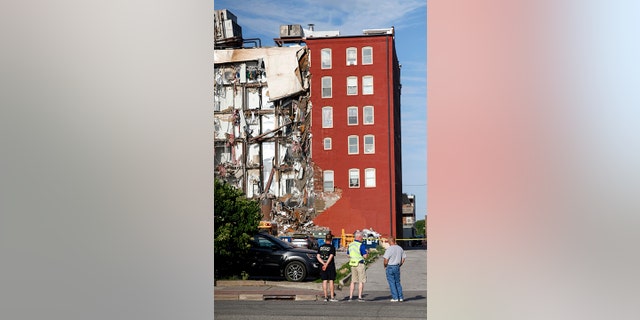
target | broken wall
[{"x": 262, "y": 140}]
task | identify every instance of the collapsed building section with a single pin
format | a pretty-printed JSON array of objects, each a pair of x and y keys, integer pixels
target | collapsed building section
[{"x": 262, "y": 119}]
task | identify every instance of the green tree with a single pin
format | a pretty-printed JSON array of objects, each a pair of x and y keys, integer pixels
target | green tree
[
  {"x": 235, "y": 220},
  {"x": 419, "y": 225}
]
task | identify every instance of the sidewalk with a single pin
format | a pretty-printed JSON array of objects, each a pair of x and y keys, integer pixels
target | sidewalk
[
  {"x": 376, "y": 288},
  {"x": 267, "y": 290},
  {"x": 275, "y": 290}
]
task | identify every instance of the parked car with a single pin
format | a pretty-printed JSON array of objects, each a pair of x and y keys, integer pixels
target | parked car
[
  {"x": 420, "y": 242},
  {"x": 301, "y": 240},
  {"x": 270, "y": 256}
]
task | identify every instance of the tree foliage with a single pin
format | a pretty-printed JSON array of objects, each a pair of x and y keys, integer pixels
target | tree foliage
[
  {"x": 419, "y": 225},
  {"x": 236, "y": 219}
]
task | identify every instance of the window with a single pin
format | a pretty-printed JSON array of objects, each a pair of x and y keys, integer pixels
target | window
[
  {"x": 289, "y": 186},
  {"x": 326, "y": 87},
  {"x": 327, "y": 143},
  {"x": 369, "y": 144},
  {"x": 367, "y": 115},
  {"x": 354, "y": 178},
  {"x": 353, "y": 144},
  {"x": 367, "y": 55},
  {"x": 352, "y": 116},
  {"x": 369, "y": 178},
  {"x": 352, "y": 56},
  {"x": 327, "y": 184},
  {"x": 327, "y": 117},
  {"x": 262, "y": 242},
  {"x": 352, "y": 86},
  {"x": 367, "y": 85},
  {"x": 325, "y": 57}
]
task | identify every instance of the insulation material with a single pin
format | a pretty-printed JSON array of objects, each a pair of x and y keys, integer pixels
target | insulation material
[
  {"x": 266, "y": 102},
  {"x": 281, "y": 67},
  {"x": 228, "y": 100},
  {"x": 253, "y": 183},
  {"x": 268, "y": 123},
  {"x": 253, "y": 158},
  {"x": 253, "y": 98},
  {"x": 222, "y": 126},
  {"x": 237, "y": 154}
]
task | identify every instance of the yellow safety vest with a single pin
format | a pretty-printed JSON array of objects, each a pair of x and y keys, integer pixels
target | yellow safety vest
[{"x": 354, "y": 253}]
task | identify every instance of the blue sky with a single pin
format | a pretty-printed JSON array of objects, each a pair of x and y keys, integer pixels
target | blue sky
[{"x": 262, "y": 19}]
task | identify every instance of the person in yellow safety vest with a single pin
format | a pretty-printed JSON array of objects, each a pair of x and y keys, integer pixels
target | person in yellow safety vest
[{"x": 357, "y": 253}]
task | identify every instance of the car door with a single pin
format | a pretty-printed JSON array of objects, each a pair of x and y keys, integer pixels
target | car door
[{"x": 267, "y": 256}]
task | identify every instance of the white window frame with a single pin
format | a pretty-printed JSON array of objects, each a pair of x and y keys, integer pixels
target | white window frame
[
  {"x": 352, "y": 86},
  {"x": 327, "y": 144},
  {"x": 367, "y": 85},
  {"x": 352, "y": 143},
  {"x": 327, "y": 117},
  {"x": 354, "y": 178},
  {"x": 327, "y": 84},
  {"x": 369, "y": 148},
  {"x": 351, "y": 110},
  {"x": 352, "y": 56},
  {"x": 370, "y": 178},
  {"x": 365, "y": 110},
  {"x": 328, "y": 182},
  {"x": 370, "y": 55},
  {"x": 325, "y": 58}
]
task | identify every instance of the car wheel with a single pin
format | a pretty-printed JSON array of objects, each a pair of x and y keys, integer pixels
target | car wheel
[{"x": 295, "y": 271}]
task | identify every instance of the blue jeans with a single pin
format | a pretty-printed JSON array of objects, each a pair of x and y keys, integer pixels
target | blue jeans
[{"x": 393, "y": 277}]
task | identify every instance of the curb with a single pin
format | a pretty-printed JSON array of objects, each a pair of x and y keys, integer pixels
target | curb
[
  {"x": 261, "y": 297},
  {"x": 258, "y": 283}
]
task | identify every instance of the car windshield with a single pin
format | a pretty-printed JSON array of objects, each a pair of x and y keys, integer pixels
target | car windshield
[{"x": 279, "y": 241}]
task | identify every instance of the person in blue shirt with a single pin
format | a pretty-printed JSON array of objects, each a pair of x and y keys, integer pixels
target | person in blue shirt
[{"x": 357, "y": 253}]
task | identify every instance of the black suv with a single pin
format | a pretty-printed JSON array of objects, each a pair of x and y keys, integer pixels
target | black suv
[{"x": 270, "y": 256}]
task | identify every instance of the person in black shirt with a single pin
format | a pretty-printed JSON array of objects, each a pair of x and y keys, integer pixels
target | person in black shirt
[{"x": 326, "y": 255}]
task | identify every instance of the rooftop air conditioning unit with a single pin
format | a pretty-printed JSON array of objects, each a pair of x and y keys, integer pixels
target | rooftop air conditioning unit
[
  {"x": 225, "y": 14},
  {"x": 232, "y": 29},
  {"x": 291, "y": 31}
]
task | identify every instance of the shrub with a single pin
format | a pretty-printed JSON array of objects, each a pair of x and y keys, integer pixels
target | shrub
[{"x": 236, "y": 219}]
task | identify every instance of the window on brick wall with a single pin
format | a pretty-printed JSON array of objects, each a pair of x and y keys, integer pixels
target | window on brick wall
[
  {"x": 367, "y": 115},
  {"x": 367, "y": 55},
  {"x": 325, "y": 57},
  {"x": 352, "y": 56},
  {"x": 327, "y": 181},
  {"x": 369, "y": 144},
  {"x": 327, "y": 87},
  {"x": 354, "y": 178},
  {"x": 352, "y": 116},
  {"x": 352, "y": 86},
  {"x": 369, "y": 177},
  {"x": 327, "y": 117},
  {"x": 353, "y": 144},
  {"x": 367, "y": 85},
  {"x": 327, "y": 143}
]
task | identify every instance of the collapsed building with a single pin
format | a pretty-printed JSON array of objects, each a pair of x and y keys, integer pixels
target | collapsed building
[
  {"x": 262, "y": 130},
  {"x": 263, "y": 107}
]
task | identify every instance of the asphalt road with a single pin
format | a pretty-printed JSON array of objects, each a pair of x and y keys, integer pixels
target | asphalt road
[{"x": 308, "y": 310}]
